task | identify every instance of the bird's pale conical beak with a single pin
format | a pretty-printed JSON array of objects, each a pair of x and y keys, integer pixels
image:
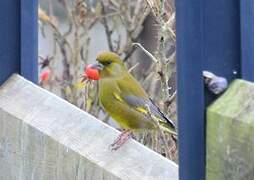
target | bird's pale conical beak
[{"x": 97, "y": 66}]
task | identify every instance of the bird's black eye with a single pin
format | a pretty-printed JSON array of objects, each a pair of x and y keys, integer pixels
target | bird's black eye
[{"x": 106, "y": 63}]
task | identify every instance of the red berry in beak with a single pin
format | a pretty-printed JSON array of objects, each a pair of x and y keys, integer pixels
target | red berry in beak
[{"x": 91, "y": 73}]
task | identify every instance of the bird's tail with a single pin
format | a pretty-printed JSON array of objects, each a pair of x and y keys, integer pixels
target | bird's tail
[{"x": 165, "y": 126}]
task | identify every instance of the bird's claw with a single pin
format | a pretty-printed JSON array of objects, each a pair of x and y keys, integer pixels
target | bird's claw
[{"x": 120, "y": 140}]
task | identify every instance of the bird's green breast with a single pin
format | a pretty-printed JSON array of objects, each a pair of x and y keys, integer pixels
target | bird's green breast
[{"x": 126, "y": 116}]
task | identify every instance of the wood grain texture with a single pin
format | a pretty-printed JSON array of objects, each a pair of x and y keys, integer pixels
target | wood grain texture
[
  {"x": 230, "y": 132},
  {"x": 45, "y": 137}
]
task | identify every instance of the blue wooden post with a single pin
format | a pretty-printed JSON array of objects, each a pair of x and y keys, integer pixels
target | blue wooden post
[
  {"x": 18, "y": 45},
  {"x": 247, "y": 42},
  {"x": 221, "y": 40},
  {"x": 29, "y": 39},
  {"x": 191, "y": 127}
]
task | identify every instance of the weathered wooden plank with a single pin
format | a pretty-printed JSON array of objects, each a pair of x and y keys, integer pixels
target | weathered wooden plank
[
  {"x": 45, "y": 137},
  {"x": 230, "y": 132}
]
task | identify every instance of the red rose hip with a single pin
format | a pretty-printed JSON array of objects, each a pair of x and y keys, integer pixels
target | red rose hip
[{"x": 91, "y": 73}]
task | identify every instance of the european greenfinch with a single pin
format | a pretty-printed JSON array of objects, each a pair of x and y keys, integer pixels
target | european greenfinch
[{"x": 123, "y": 98}]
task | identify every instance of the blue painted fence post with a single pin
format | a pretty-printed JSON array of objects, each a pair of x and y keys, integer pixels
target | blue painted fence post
[
  {"x": 19, "y": 44},
  {"x": 191, "y": 127},
  {"x": 247, "y": 42}
]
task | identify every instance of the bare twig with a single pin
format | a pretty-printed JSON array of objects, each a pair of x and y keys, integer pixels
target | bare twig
[
  {"x": 172, "y": 97},
  {"x": 107, "y": 28},
  {"x": 146, "y": 52},
  {"x": 133, "y": 67}
]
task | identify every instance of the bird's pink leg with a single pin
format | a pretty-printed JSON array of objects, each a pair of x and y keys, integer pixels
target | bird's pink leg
[{"x": 121, "y": 139}]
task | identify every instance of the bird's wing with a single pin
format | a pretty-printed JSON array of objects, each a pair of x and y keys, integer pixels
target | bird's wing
[
  {"x": 147, "y": 106},
  {"x": 136, "y": 98}
]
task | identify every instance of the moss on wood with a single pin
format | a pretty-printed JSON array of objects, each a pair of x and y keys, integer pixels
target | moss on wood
[{"x": 230, "y": 134}]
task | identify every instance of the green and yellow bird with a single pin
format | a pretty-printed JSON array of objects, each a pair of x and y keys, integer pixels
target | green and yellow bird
[{"x": 123, "y": 98}]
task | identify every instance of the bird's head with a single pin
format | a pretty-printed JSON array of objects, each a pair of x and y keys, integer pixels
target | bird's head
[{"x": 109, "y": 64}]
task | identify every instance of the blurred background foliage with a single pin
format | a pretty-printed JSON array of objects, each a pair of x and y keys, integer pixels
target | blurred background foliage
[{"x": 72, "y": 32}]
